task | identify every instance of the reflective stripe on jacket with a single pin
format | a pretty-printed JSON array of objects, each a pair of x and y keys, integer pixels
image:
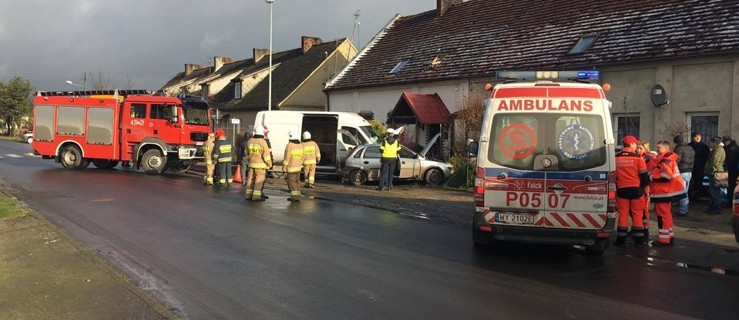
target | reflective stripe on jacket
[
  {"x": 293, "y": 161},
  {"x": 259, "y": 153},
  {"x": 311, "y": 153},
  {"x": 667, "y": 184},
  {"x": 223, "y": 150},
  {"x": 390, "y": 150}
]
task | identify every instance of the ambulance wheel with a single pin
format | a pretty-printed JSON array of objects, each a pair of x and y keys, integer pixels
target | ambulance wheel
[
  {"x": 481, "y": 241},
  {"x": 104, "y": 164},
  {"x": 71, "y": 158},
  {"x": 358, "y": 177},
  {"x": 434, "y": 176},
  {"x": 153, "y": 162},
  {"x": 598, "y": 248}
]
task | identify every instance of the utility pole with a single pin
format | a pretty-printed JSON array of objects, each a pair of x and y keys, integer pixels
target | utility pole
[
  {"x": 84, "y": 81},
  {"x": 356, "y": 27}
]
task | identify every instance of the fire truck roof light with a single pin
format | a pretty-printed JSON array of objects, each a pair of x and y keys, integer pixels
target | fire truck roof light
[{"x": 549, "y": 75}]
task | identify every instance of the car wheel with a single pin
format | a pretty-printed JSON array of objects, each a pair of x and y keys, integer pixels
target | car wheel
[
  {"x": 29, "y": 140},
  {"x": 598, "y": 248},
  {"x": 153, "y": 162},
  {"x": 434, "y": 176},
  {"x": 358, "y": 177},
  {"x": 71, "y": 158}
]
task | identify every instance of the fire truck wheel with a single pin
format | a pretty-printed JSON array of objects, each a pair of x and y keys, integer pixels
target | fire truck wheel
[
  {"x": 153, "y": 162},
  {"x": 104, "y": 164},
  {"x": 71, "y": 158}
]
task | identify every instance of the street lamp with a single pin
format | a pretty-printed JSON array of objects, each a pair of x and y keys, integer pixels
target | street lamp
[
  {"x": 74, "y": 84},
  {"x": 269, "y": 92}
]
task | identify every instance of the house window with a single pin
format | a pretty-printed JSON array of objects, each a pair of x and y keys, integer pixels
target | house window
[
  {"x": 626, "y": 125},
  {"x": 399, "y": 66},
  {"x": 583, "y": 44},
  {"x": 237, "y": 90},
  {"x": 705, "y": 123}
]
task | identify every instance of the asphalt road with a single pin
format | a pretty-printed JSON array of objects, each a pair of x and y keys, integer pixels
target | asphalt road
[{"x": 211, "y": 255}]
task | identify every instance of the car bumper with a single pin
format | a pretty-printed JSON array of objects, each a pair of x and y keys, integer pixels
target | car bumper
[{"x": 541, "y": 235}]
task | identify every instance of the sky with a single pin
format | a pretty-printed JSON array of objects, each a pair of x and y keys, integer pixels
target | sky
[{"x": 147, "y": 42}]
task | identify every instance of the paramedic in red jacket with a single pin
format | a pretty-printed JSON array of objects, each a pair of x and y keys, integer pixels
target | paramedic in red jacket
[
  {"x": 632, "y": 183},
  {"x": 667, "y": 187}
]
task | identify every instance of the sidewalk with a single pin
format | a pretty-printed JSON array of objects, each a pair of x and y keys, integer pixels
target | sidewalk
[{"x": 45, "y": 274}]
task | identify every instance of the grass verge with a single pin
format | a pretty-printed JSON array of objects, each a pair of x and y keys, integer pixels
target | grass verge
[{"x": 11, "y": 208}]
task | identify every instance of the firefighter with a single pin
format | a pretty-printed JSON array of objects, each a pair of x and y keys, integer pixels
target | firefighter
[
  {"x": 632, "y": 184},
  {"x": 208, "y": 153},
  {"x": 667, "y": 187},
  {"x": 293, "y": 164},
  {"x": 260, "y": 159},
  {"x": 222, "y": 153},
  {"x": 311, "y": 157}
]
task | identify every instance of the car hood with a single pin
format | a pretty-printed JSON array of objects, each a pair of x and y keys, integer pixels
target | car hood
[{"x": 429, "y": 145}]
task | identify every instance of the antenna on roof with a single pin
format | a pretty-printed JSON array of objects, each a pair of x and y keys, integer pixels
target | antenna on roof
[{"x": 356, "y": 27}]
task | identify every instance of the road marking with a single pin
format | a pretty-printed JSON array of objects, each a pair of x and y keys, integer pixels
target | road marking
[{"x": 11, "y": 155}]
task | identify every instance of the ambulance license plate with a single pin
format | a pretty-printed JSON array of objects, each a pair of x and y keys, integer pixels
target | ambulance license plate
[{"x": 514, "y": 218}]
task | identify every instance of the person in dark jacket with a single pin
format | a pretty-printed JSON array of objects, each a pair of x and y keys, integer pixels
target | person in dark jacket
[
  {"x": 699, "y": 165},
  {"x": 242, "y": 158},
  {"x": 732, "y": 160},
  {"x": 685, "y": 159}
]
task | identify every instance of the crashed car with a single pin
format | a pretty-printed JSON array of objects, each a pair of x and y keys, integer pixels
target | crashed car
[
  {"x": 27, "y": 137},
  {"x": 363, "y": 165}
]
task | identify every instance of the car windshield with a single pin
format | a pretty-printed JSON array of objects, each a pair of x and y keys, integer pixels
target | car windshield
[{"x": 374, "y": 137}]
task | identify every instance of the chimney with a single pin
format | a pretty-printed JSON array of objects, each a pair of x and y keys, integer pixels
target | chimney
[
  {"x": 189, "y": 68},
  {"x": 219, "y": 61},
  {"x": 308, "y": 42},
  {"x": 443, "y": 5},
  {"x": 259, "y": 54}
]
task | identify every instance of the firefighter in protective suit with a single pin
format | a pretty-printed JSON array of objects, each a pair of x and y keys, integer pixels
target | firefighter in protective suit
[
  {"x": 222, "y": 153},
  {"x": 632, "y": 184},
  {"x": 667, "y": 187},
  {"x": 260, "y": 159},
  {"x": 311, "y": 157},
  {"x": 293, "y": 164},
  {"x": 208, "y": 153}
]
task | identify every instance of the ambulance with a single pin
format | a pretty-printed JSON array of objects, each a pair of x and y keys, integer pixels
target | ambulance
[{"x": 544, "y": 162}]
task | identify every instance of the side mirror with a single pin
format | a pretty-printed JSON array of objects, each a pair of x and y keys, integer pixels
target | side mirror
[
  {"x": 472, "y": 149},
  {"x": 173, "y": 119}
]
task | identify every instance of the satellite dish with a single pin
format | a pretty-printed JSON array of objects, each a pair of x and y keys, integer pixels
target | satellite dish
[{"x": 659, "y": 96}]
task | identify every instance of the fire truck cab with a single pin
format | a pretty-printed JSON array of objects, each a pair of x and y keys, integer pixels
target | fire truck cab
[
  {"x": 544, "y": 161},
  {"x": 154, "y": 133}
]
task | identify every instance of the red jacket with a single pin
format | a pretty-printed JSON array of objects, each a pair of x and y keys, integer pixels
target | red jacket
[
  {"x": 667, "y": 184},
  {"x": 631, "y": 174}
]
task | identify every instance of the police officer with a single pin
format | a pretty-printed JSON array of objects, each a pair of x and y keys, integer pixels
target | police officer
[
  {"x": 293, "y": 164},
  {"x": 632, "y": 184},
  {"x": 259, "y": 160},
  {"x": 389, "y": 148},
  {"x": 667, "y": 187},
  {"x": 311, "y": 157},
  {"x": 208, "y": 154},
  {"x": 222, "y": 152}
]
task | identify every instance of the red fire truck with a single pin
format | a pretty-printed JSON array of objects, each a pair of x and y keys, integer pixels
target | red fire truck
[{"x": 105, "y": 127}]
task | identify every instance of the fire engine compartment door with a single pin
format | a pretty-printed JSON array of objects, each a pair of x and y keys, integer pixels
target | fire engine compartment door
[{"x": 101, "y": 133}]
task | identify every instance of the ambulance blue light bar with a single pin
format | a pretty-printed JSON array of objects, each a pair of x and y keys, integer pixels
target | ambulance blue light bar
[{"x": 549, "y": 75}]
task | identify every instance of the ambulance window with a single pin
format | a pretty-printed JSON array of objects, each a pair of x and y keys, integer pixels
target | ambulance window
[
  {"x": 138, "y": 110},
  {"x": 71, "y": 121},
  {"x": 516, "y": 139},
  {"x": 100, "y": 126},
  {"x": 578, "y": 141}
]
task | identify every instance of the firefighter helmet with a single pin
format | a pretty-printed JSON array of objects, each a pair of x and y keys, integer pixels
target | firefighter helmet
[
  {"x": 306, "y": 135},
  {"x": 294, "y": 135},
  {"x": 259, "y": 130}
]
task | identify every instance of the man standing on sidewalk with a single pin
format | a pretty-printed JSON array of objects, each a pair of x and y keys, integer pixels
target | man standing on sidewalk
[
  {"x": 311, "y": 157},
  {"x": 259, "y": 160},
  {"x": 699, "y": 166},
  {"x": 685, "y": 159},
  {"x": 667, "y": 187},
  {"x": 389, "y": 149},
  {"x": 293, "y": 164},
  {"x": 715, "y": 164},
  {"x": 632, "y": 186}
]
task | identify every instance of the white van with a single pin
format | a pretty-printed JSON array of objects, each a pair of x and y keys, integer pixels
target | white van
[
  {"x": 336, "y": 133},
  {"x": 544, "y": 161}
]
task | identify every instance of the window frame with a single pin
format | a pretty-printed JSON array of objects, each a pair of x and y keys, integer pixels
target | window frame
[
  {"x": 617, "y": 131},
  {"x": 691, "y": 115},
  {"x": 583, "y": 44}
]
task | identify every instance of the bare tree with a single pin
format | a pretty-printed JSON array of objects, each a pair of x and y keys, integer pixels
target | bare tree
[{"x": 673, "y": 129}]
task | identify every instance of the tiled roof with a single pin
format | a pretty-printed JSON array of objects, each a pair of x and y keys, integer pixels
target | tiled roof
[
  {"x": 478, "y": 37},
  {"x": 428, "y": 108},
  {"x": 294, "y": 67}
]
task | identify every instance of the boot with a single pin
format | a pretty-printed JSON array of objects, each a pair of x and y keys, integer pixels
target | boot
[{"x": 620, "y": 242}]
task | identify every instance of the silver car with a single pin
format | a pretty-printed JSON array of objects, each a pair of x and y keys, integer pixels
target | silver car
[
  {"x": 27, "y": 137},
  {"x": 363, "y": 165}
]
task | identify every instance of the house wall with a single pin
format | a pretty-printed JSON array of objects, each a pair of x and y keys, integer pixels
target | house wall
[{"x": 310, "y": 95}]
